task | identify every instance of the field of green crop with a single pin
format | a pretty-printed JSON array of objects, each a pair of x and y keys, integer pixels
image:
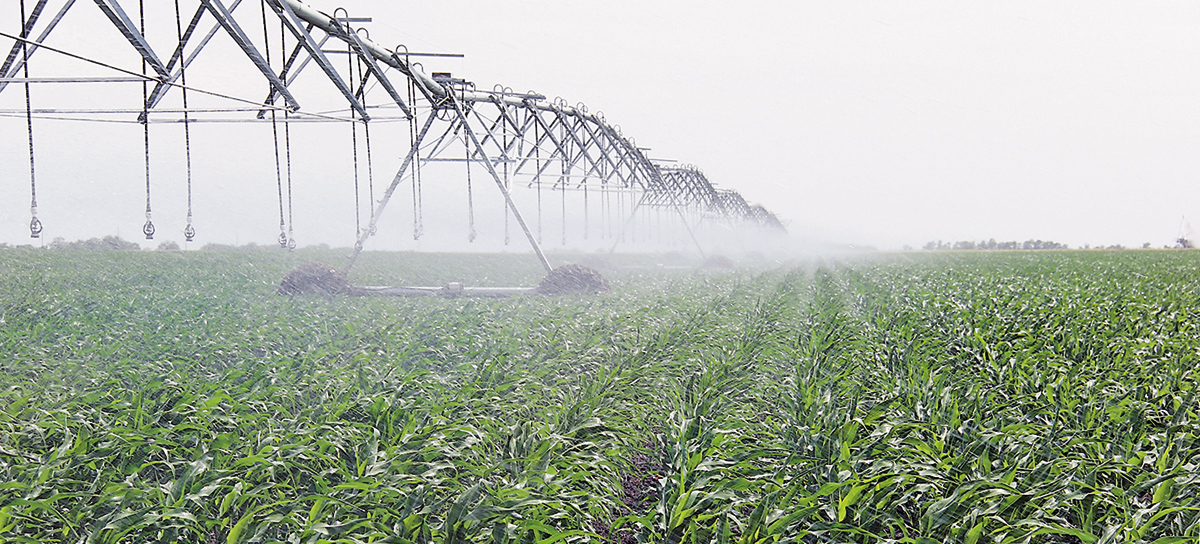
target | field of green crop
[{"x": 918, "y": 398}]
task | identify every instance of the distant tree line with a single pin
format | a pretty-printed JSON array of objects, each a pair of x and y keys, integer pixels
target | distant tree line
[
  {"x": 106, "y": 243},
  {"x": 110, "y": 242},
  {"x": 252, "y": 246},
  {"x": 992, "y": 244}
]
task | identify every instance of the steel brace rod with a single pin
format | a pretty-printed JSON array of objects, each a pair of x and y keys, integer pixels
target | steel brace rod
[
  {"x": 20, "y": 60},
  {"x": 298, "y": 29},
  {"x": 161, "y": 89},
  {"x": 375, "y": 70},
  {"x": 225, "y": 18},
  {"x": 287, "y": 70},
  {"x": 387, "y": 194},
  {"x": 26, "y": 28},
  {"x": 499, "y": 182},
  {"x": 125, "y": 25}
]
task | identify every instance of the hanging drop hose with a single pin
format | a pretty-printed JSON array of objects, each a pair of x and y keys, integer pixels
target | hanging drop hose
[
  {"x": 370, "y": 177},
  {"x": 148, "y": 227},
  {"x": 504, "y": 127},
  {"x": 537, "y": 176},
  {"x": 354, "y": 143},
  {"x": 418, "y": 220},
  {"x": 563, "y": 182},
  {"x": 35, "y": 225},
  {"x": 283, "y": 237},
  {"x": 470, "y": 194},
  {"x": 189, "y": 232},
  {"x": 287, "y": 145},
  {"x": 287, "y": 142}
]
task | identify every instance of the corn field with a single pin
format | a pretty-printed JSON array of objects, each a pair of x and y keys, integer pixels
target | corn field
[{"x": 910, "y": 398}]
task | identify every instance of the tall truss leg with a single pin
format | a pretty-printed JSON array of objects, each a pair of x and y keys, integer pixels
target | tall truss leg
[
  {"x": 387, "y": 195},
  {"x": 499, "y": 183}
]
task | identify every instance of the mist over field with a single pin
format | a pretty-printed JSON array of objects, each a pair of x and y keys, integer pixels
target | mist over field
[
  {"x": 668, "y": 271},
  {"x": 882, "y": 126},
  {"x": 934, "y": 396}
]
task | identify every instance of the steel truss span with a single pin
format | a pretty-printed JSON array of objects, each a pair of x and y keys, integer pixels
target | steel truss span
[{"x": 515, "y": 141}]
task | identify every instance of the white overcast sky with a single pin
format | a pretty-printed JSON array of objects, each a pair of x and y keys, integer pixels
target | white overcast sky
[{"x": 877, "y": 123}]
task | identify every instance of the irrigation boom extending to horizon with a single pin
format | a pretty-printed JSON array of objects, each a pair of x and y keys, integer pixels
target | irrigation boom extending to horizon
[{"x": 523, "y": 140}]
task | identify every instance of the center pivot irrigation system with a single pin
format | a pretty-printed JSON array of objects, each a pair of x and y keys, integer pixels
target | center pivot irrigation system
[{"x": 523, "y": 141}]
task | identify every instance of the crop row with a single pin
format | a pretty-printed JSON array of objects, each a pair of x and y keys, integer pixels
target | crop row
[{"x": 949, "y": 397}]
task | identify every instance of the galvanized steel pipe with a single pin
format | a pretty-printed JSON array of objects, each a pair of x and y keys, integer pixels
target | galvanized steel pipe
[{"x": 329, "y": 24}]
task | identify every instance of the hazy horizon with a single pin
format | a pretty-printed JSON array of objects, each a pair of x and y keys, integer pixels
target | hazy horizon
[{"x": 868, "y": 124}]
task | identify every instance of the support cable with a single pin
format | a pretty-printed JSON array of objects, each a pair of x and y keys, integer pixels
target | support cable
[
  {"x": 189, "y": 232},
  {"x": 148, "y": 227},
  {"x": 257, "y": 105},
  {"x": 35, "y": 225}
]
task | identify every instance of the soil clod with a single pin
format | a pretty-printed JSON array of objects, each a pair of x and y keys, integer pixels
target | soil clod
[
  {"x": 313, "y": 278},
  {"x": 573, "y": 279}
]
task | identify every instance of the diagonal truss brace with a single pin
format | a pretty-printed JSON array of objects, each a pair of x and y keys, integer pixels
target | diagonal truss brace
[
  {"x": 297, "y": 28},
  {"x": 290, "y": 73},
  {"x": 32, "y": 47},
  {"x": 26, "y": 28},
  {"x": 375, "y": 70},
  {"x": 225, "y": 18},
  {"x": 125, "y": 25},
  {"x": 161, "y": 87}
]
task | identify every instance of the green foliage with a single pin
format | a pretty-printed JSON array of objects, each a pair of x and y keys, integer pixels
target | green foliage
[
  {"x": 108, "y": 243},
  {"x": 942, "y": 397}
]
